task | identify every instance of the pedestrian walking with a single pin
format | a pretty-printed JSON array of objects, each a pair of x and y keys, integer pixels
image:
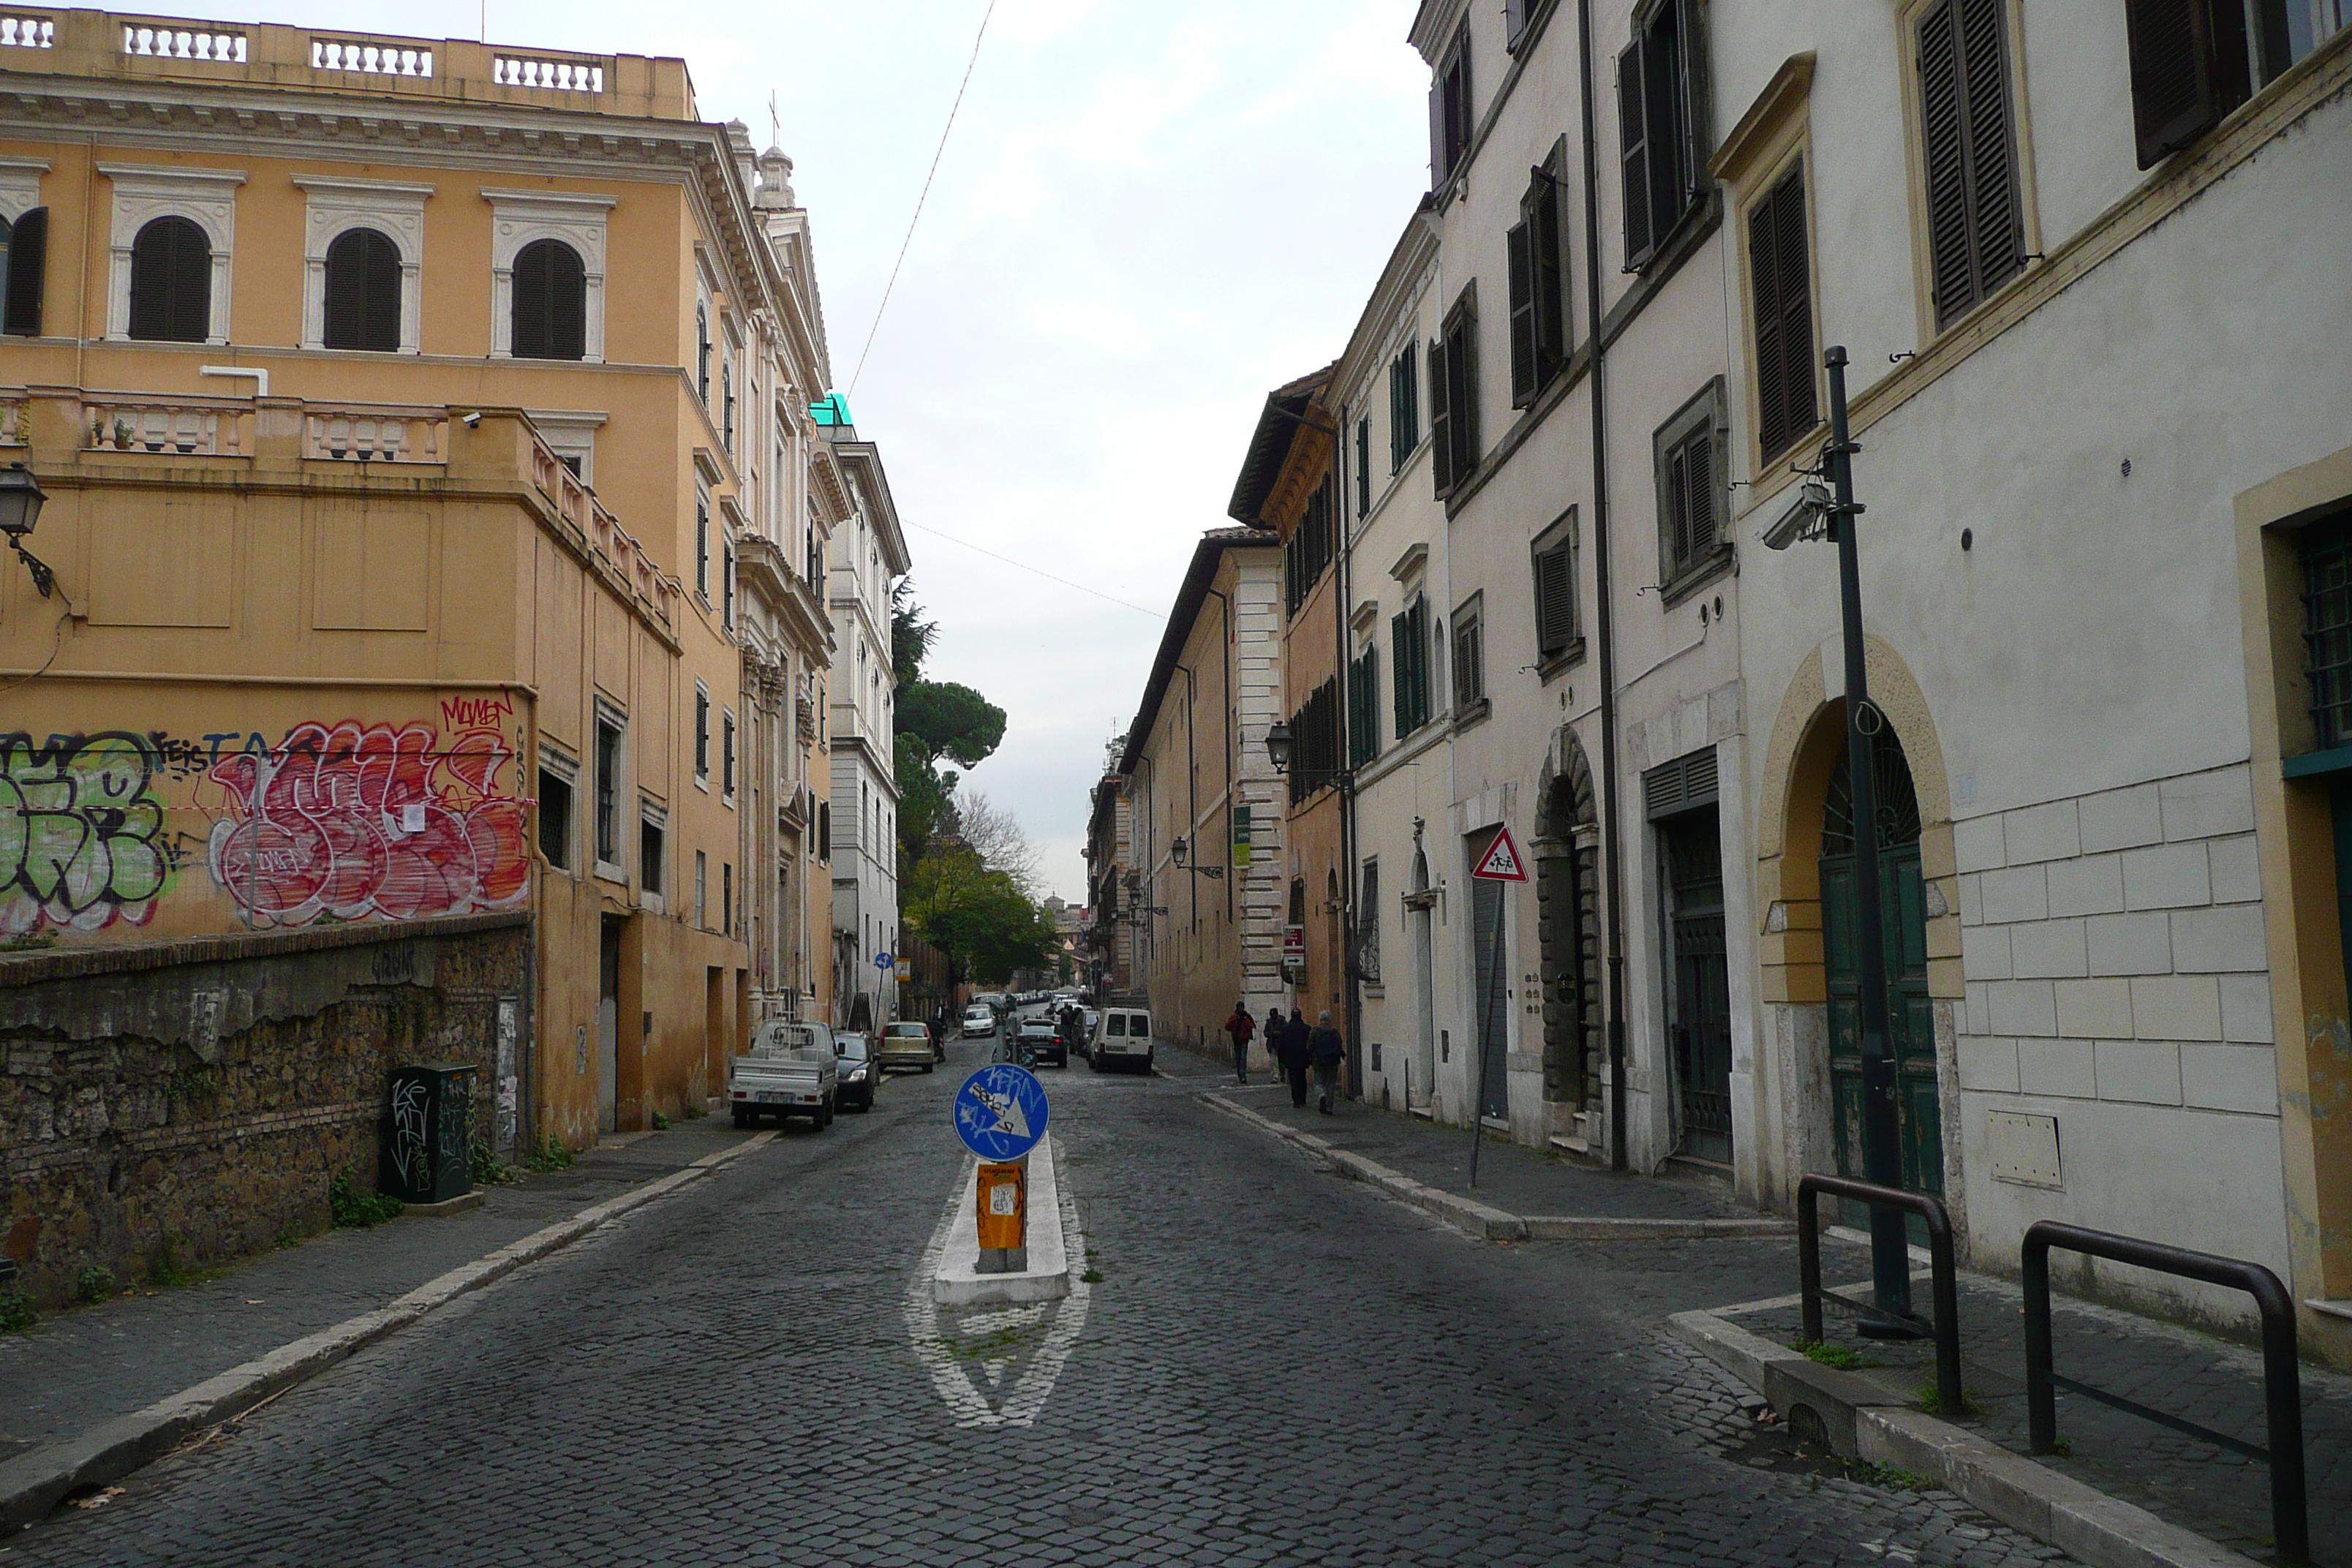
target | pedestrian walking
[
  {"x": 1327, "y": 1050},
  {"x": 1296, "y": 1050},
  {"x": 1242, "y": 1027}
]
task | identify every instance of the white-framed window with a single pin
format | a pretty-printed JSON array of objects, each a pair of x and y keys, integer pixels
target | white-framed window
[
  {"x": 575, "y": 219},
  {"x": 610, "y": 784},
  {"x": 146, "y": 198},
  {"x": 559, "y": 780},
  {"x": 653, "y": 855},
  {"x": 334, "y": 207},
  {"x": 701, "y": 735},
  {"x": 20, "y": 186},
  {"x": 726, "y": 755},
  {"x": 570, "y": 435}
]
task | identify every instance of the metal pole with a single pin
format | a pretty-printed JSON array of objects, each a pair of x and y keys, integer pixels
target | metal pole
[{"x": 1882, "y": 1149}]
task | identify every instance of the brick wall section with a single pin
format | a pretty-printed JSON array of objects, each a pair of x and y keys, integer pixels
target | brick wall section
[
  {"x": 2113, "y": 948},
  {"x": 208, "y": 1092}
]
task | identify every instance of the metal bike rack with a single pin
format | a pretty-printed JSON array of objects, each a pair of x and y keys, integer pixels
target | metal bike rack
[
  {"x": 1944, "y": 1326},
  {"x": 2281, "y": 1381}
]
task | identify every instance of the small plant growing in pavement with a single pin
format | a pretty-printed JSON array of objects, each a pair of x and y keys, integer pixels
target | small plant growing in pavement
[
  {"x": 1823, "y": 1353},
  {"x": 289, "y": 1238},
  {"x": 15, "y": 1312},
  {"x": 1899, "y": 1479},
  {"x": 170, "y": 1268},
  {"x": 694, "y": 1111},
  {"x": 93, "y": 1285},
  {"x": 1931, "y": 1402},
  {"x": 661, "y": 1122},
  {"x": 356, "y": 1210},
  {"x": 548, "y": 1155},
  {"x": 489, "y": 1170}
]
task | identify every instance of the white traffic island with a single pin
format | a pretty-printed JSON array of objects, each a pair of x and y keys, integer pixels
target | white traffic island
[{"x": 958, "y": 1281}]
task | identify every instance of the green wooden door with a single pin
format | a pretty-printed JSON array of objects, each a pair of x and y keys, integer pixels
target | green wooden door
[{"x": 1910, "y": 1015}]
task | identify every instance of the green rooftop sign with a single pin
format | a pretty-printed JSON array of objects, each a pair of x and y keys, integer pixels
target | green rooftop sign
[{"x": 833, "y": 408}]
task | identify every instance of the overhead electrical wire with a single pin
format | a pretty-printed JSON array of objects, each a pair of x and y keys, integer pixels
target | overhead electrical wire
[
  {"x": 923, "y": 197},
  {"x": 1040, "y": 570}
]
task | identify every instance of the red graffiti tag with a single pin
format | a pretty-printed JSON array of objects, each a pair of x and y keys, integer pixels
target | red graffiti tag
[{"x": 367, "y": 822}]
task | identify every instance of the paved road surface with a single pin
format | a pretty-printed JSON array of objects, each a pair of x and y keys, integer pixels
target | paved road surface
[{"x": 1275, "y": 1366}]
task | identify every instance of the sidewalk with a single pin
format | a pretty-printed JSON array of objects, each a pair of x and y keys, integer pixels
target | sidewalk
[
  {"x": 2221, "y": 1496},
  {"x": 78, "y": 1371},
  {"x": 2184, "y": 1483}
]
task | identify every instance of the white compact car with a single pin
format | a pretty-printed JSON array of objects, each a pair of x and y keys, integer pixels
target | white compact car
[
  {"x": 1123, "y": 1040},
  {"x": 979, "y": 1021}
]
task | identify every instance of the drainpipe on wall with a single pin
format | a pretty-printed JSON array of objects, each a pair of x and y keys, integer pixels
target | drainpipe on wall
[
  {"x": 1606, "y": 619},
  {"x": 1225, "y": 614},
  {"x": 1346, "y": 955}
]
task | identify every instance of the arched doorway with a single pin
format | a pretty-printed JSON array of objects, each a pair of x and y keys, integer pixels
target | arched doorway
[
  {"x": 1568, "y": 934},
  {"x": 1910, "y": 1015}
]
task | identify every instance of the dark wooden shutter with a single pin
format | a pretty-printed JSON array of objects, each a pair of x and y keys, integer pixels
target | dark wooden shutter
[
  {"x": 1514, "y": 22},
  {"x": 1633, "y": 153},
  {"x": 1555, "y": 601},
  {"x": 1781, "y": 289},
  {"x": 1695, "y": 497},
  {"x": 171, "y": 282},
  {"x": 1666, "y": 103},
  {"x": 1975, "y": 221},
  {"x": 1441, "y": 421},
  {"x": 1401, "y": 655},
  {"x": 363, "y": 302},
  {"x": 551, "y": 302},
  {"x": 1437, "y": 164},
  {"x": 1521, "y": 269},
  {"x": 28, "y": 251},
  {"x": 1996, "y": 216},
  {"x": 1461, "y": 387},
  {"x": 2188, "y": 68},
  {"x": 1942, "y": 110},
  {"x": 1547, "y": 249},
  {"x": 1363, "y": 465}
]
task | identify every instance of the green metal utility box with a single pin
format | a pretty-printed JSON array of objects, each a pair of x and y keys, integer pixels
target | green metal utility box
[{"x": 428, "y": 1153}]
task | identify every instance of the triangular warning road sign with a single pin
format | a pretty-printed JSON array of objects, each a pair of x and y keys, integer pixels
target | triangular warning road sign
[{"x": 1501, "y": 863}]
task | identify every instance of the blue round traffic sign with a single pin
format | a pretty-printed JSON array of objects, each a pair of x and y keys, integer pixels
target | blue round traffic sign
[{"x": 999, "y": 1112}]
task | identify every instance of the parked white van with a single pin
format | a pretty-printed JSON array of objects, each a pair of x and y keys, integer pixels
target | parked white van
[{"x": 1124, "y": 1040}]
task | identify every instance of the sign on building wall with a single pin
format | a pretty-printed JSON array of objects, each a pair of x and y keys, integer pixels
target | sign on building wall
[{"x": 1241, "y": 837}]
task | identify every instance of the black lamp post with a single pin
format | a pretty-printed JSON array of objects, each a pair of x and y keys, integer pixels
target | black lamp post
[
  {"x": 1278, "y": 746},
  {"x": 20, "y": 508},
  {"x": 1881, "y": 1148}
]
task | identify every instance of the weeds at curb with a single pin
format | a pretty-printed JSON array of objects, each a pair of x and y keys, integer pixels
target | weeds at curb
[
  {"x": 17, "y": 1313},
  {"x": 356, "y": 1210},
  {"x": 1821, "y": 1353},
  {"x": 548, "y": 1157},
  {"x": 1932, "y": 1403},
  {"x": 489, "y": 1170},
  {"x": 94, "y": 1285},
  {"x": 170, "y": 1270}
]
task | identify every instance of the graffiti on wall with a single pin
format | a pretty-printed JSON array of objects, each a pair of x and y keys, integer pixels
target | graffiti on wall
[
  {"x": 81, "y": 832},
  {"x": 350, "y": 822}
]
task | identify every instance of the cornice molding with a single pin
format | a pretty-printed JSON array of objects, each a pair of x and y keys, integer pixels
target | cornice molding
[{"x": 1786, "y": 95}]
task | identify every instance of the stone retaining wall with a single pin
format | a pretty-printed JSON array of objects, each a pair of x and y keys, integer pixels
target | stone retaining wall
[{"x": 194, "y": 1100}]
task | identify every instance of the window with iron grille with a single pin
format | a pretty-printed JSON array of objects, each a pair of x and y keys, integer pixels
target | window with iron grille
[
  {"x": 1975, "y": 223},
  {"x": 1405, "y": 409},
  {"x": 1692, "y": 542},
  {"x": 2327, "y": 628},
  {"x": 1469, "y": 653}
]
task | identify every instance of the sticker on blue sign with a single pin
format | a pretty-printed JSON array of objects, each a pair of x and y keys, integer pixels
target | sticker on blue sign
[{"x": 999, "y": 1112}]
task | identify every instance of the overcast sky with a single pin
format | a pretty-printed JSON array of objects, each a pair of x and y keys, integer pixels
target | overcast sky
[{"x": 1147, "y": 216}]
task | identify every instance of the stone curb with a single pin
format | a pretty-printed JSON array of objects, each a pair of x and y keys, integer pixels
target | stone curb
[
  {"x": 1863, "y": 1421},
  {"x": 32, "y": 1485},
  {"x": 1489, "y": 1223}
]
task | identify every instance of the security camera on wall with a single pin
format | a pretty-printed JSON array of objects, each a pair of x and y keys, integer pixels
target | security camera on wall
[{"x": 1807, "y": 518}]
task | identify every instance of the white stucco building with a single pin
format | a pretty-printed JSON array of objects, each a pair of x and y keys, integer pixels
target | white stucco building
[{"x": 869, "y": 553}]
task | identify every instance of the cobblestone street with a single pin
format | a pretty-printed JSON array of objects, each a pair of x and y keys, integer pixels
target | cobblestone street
[{"x": 1274, "y": 1364}]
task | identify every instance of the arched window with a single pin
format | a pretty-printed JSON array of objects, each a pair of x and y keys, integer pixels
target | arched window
[
  {"x": 551, "y": 302},
  {"x": 362, "y": 292},
  {"x": 171, "y": 282}
]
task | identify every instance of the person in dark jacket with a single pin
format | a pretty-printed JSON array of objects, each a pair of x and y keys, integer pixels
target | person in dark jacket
[
  {"x": 1327, "y": 1050},
  {"x": 1240, "y": 1027},
  {"x": 1292, "y": 1048}
]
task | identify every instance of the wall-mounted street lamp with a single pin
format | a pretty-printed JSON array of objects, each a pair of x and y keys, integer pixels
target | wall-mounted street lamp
[
  {"x": 1278, "y": 746},
  {"x": 1179, "y": 851},
  {"x": 20, "y": 508}
]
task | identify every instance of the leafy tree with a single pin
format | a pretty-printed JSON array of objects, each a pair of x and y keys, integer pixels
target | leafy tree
[
  {"x": 980, "y": 918},
  {"x": 950, "y": 720},
  {"x": 935, "y": 719},
  {"x": 911, "y": 635}
]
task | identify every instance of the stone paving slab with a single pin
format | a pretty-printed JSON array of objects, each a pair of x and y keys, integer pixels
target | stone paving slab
[
  {"x": 2222, "y": 1496},
  {"x": 79, "y": 1368}
]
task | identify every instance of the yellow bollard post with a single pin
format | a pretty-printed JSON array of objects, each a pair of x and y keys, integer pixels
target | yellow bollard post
[{"x": 1001, "y": 1209}]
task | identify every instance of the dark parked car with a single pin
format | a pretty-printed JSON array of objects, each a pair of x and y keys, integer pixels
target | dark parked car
[
  {"x": 859, "y": 1072},
  {"x": 1045, "y": 1042}
]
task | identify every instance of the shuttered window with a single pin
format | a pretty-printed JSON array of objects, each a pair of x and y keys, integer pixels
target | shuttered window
[
  {"x": 1683, "y": 784},
  {"x": 551, "y": 302},
  {"x": 1975, "y": 226},
  {"x": 1555, "y": 586},
  {"x": 1450, "y": 122},
  {"x": 1469, "y": 653},
  {"x": 362, "y": 309},
  {"x": 1364, "y": 707},
  {"x": 1779, "y": 277},
  {"x": 1453, "y": 394},
  {"x": 1364, "y": 466},
  {"x": 702, "y": 548},
  {"x": 2189, "y": 67},
  {"x": 701, "y": 731},
  {"x": 702, "y": 353},
  {"x": 1660, "y": 111},
  {"x": 28, "y": 244},
  {"x": 1316, "y": 741},
  {"x": 1538, "y": 280},
  {"x": 1405, "y": 409},
  {"x": 1688, "y": 451},
  {"x": 1409, "y": 659},
  {"x": 1309, "y": 549},
  {"x": 171, "y": 282}
]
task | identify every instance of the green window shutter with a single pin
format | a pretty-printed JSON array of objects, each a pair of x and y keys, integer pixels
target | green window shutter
[
  {"x": 1441, "y": 421},
  {"x": 1521, "y": 268}
]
